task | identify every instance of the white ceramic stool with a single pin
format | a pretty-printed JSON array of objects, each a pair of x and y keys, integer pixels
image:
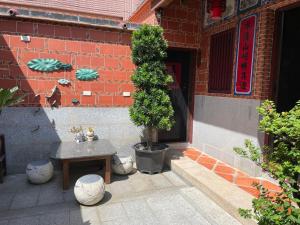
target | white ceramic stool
[
  {"x": 122, "y": 165},
  {"x": 89, "y": 189},
  {"x": 39, "y": 172}
]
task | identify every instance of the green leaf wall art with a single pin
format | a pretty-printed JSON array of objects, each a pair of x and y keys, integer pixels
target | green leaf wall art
[
  {"x": 86, "y": 74},
  {"x": 48, "y": 65}
]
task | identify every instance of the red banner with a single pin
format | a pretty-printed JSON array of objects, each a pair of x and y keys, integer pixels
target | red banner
[
  {"x": 174, "y": 69},
  {"x": 245, "y": 56}
]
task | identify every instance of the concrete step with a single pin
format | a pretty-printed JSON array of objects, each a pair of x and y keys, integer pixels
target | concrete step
[
  {"x": 225, "y": 194},
  {"x": 212, "y": 212}
]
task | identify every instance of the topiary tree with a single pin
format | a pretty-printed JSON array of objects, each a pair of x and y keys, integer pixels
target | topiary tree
[{"x": 152, "y": 107}]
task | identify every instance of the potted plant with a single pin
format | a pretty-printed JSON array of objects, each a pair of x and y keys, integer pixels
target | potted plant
[
  {"x": 90, "y": 134},
  {"x": 152, "y": 107},
  {"x": 79, "y": 135}
]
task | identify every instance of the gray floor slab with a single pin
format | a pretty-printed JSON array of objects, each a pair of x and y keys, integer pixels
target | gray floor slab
[
  {"x": 4, "y": 222},
  {"x": 61, "y": 218},
  {"x": 213, "y": 212},
  {"x": 112, "y": 212},
  {"x": 6, "y": 200},
  {"x": 137, "y": 199},
  {"x": 34, "y": 220},
  {"x": 25, "y": 199},
  {"x": 84, "y": 216},
  {"x": 174, "y": 179}
]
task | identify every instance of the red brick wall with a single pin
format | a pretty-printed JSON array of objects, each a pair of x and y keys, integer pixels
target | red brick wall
[
  {"x": 261, "y": 84},
  {"x": 107, "y": 51},
  {"x": 182, "y": 23},
  {"x": 143, "y": 14}
]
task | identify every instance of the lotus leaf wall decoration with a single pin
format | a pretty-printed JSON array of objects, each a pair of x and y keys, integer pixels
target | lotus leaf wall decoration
[
  {"x": 48, "y": 65},
  {"x": 86, "y": 74},
  {"x": 63, "y": 81},
  {"x": 75, "y": 101}
]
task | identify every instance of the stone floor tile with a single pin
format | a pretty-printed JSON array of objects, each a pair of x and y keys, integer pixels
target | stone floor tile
[
  {"x": 84, "y": 216},
  {"x": 123, "y": 221},
  {"x": 212, "y": 212},
  {"x": 6, "y": 200},
  {"x": 3, "y": 222},
  {"x": 25, "y": 199},
  {"x": 50, "y": 195},
  {"x": 142, "y": 184},
  {"x": 173, "y": 178},
  {"x": 121, "y": 188},
  {"x": 173, "y": 219},
  {"x": 68, "y": 195},
  {"x": 34, "y": 220},
  {"x": 160, "y": 181},
  {"x": 62, "y": 218},
  {"x": 111, "y": 212},
  {"x": 174, "y": 209},
  {"x": 145, "y": 221},
  {"x": 137, "y": 209}
]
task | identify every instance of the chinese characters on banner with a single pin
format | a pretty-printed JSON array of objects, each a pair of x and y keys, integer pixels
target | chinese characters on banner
[{"x": 245, "y": 55}]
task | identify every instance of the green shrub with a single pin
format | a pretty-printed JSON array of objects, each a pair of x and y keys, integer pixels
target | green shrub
[
  {"x": 282, "y": 160},
  {"x": 152, "y": 107},
  {"x": 250, "y": 151}
]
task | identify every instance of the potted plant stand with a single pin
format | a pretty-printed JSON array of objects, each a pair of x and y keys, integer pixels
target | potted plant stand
[{"x": 150, "y": 161}]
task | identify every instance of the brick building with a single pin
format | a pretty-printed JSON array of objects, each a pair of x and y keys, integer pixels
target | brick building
[{"x": 218, "y": 86}]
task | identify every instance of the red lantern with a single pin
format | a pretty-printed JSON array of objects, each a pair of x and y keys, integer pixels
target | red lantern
[{"x": 216, "y": 8}]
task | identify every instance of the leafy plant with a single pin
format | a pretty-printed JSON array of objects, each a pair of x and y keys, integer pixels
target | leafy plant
[
  {"x": 90, "y": 129},
  {"x": 76, "y": 130},
  {"x": 273, "y": 209},
  {"x": 8, "y": 97},
  {"x": 152, "y": 107},
  {"x": 283, "y": 162},
  {"x": 250, "y": 151}
]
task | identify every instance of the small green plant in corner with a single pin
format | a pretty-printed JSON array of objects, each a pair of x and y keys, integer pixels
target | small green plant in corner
[
  {"x": 250, "y": 151},
  {"x": 152, "y": 107},
  {"x": 282, "y": 160},
  {"x": 9, "y": 97}
]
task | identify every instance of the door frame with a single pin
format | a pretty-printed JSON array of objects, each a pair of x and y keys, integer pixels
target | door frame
[
  {"x": 191, "y": 88},
  {"x": 276, "y": 49},
  {"x": 276, "y": 56}
]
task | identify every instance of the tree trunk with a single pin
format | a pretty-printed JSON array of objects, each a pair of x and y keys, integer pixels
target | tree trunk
[{"x": 152, "y": 137}]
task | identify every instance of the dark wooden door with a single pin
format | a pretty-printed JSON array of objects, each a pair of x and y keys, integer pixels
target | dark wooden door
[
  {"x": 178, "y": 63},
  {"x": 287, "y": 87}
]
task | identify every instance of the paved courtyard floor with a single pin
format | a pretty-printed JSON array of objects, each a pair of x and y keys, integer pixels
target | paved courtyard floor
[{"x": 137, "y": 199}]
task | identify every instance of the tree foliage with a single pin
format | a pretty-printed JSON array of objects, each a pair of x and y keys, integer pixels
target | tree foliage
[
  {"x": 8, "y": 97},
  {"x": 283, "y": 162},
  {"x": 152, "y": 106}
]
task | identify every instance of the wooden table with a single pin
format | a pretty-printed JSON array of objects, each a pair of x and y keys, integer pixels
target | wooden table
[{"x": 69, "y": 152}]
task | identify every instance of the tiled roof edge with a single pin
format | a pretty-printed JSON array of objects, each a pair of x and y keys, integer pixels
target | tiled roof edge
[{"x": 66, "y": 18}]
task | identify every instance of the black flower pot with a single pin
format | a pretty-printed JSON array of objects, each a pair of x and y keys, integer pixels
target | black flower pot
[{"x": 150, "y": 161}]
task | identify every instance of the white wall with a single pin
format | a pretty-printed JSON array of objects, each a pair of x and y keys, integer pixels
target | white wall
[{"x": 223, "y": 123}]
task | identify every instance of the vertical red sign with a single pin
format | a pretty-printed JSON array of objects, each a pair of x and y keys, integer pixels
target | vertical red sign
[
  {"x": 245, "y": 56},
  {"x": 174, "y": 69}
]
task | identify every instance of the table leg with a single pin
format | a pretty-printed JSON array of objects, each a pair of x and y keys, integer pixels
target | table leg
[
  {"x": 107, "y": 170},
  {"x": 66, "y": 174}
]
